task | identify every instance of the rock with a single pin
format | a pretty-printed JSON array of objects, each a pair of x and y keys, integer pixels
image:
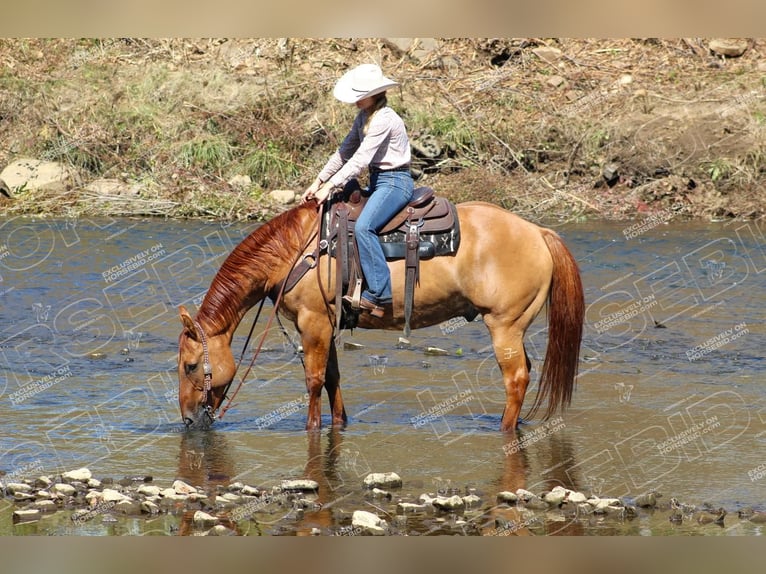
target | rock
[
  {"x": 411, "y": 507},
  {"x": 23, "y": 496},
  {"x": 43, "y": 482},
  {"x": 113, "y": 187},
  {"x": 128, "y": 507},
  {"x": 282, "y": 196},
  {"x": 149, "y": 507},
  {"x": 94, "y": 497},
  {"x": 436, "y": 351},
  {"x": 550, "y": 55},
  {"x": 525, "y": 495},
  {"x": 611, "y": 173},
  {"x": 449, "y": 503},
  {"x": 556, "y": 496},
  {"x": 149, "y": 490},
  {"x": 576, "y": 497},
  {"x": 26, "y": 515},
  {"x": 33, "y": 174},
  {"x": 240, "y": 181},
  {"x": 111, "y": 495},
  {"x": 45, "y": 506},
  {"x": 369, "y": 522},
  {"x": 93, "y": 483},
  {"x": 349, "y": 346},
  {"x": 166, "y": 492},
  {"x": 18, "y": 487},
  {"x": 180, "y": 487},
  {"x": 471, "y": 500},
  {"x": 203, "y": 519},
  {"x": 220, "y": 530},
  {"x": 232, "y": 497},
  {"x": 556, "y": 81},
  {"x": 79, "y": 475},
  {"x": 301, "y": 484},
  {"x": 382, "y": 479},
  {"x": 250, "y": 491},
  {"x": 646, "y": 500},
  {"x": 729, "y": 47},
  {"x": 426, "y": 499},
  {"x": 379, "y": 493},
  {"x": 63, "y": 489},
  {"x": 507, "y": 496}
]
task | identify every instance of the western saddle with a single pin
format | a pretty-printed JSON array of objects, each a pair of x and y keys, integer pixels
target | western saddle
[{"x": 426, "y": 227}]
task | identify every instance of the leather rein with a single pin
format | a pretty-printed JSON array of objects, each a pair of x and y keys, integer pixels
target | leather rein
[{"x": 207, "y": 368}]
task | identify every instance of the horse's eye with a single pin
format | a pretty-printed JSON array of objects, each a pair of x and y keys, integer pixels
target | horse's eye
[{"x": 190, "y": 368}]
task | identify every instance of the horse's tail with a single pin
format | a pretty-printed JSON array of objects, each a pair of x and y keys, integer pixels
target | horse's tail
[{"x": 566, "y": 315}]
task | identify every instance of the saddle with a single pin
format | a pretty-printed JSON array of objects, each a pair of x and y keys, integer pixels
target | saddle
[{"x": 426, "y": 227}]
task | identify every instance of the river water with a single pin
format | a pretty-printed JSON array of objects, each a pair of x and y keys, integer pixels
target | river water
[{"x": 670, "y": 395}]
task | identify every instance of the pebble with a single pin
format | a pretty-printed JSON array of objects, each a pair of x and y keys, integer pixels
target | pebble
[
  {"x": 79, "y": 475},
  {"x": 411, "y": 507},
  {"x": 449, "y": 503},
  {"x": 369, "y": 522},
  {"x": 26, "y": 515},
  {"x": 507, "y": 496},
  {"x": 111, "y": 495},
  {"x": 149, "y": 490},
  {"x": 301, "y": 484},
  {"x": 63, "y": 489},
  {"x": 436, "y": 351},
  {"x": 220, "y": 530},
  {"x": 182, "y": 488},
  {"x": 383, "y": 480},
  {"x": 647, "y": 500},
  {"x": 204, "y": 519},
  {"x": 556, "y": 496},
  {"x": 14, "y": 487}
]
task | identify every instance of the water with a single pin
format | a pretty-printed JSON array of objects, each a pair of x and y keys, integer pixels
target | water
[{"x": 88, "y": 338}]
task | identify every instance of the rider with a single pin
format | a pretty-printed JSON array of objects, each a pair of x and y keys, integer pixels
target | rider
[{"x": 378, "y": 141}]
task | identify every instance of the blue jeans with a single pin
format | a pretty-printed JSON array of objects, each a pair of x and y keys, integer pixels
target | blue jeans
[{"x": 390, "y": 192}]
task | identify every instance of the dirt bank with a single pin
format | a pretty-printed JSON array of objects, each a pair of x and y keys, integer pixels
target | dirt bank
[{"x": 547, "y": 127}]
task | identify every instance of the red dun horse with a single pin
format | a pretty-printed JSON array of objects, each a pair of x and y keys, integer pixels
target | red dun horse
[{"x": 506, "y": 269}]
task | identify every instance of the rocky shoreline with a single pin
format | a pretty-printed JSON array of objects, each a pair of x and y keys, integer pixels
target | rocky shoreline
[{"x": 237, "y": 508}]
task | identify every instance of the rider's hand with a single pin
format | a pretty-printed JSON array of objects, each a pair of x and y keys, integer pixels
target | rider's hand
[
  {"x": 311, "y": 190},
  {"x": 323, "y": 192}
]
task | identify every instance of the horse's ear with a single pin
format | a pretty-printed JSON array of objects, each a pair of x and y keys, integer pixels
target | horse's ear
[{"x": 188, "y": 323}]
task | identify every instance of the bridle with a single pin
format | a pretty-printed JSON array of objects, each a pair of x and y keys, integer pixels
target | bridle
[{"x": 207, "y": 370}]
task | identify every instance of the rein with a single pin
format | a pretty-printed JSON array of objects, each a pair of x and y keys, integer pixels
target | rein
[{"x": 274, "y": 313}]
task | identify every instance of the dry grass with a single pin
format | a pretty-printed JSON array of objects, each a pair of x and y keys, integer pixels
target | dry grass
[{"x": 181, "y": 117}]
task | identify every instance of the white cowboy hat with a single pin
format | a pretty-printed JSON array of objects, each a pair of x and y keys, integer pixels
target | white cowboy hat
[{"x": 361, "y": 82}]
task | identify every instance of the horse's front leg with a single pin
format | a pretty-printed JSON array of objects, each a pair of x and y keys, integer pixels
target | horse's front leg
[
  {"x": 316, "y": 337},
  {"x": 332, "y": 385}
]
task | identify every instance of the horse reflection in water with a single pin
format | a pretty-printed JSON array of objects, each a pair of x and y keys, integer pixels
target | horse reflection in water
[
  {"x": 205, "y": 461},
  {"x": 506, "y": 269}
]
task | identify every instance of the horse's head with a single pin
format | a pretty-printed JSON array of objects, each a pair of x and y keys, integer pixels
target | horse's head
[{"x": 205, "y": 369}]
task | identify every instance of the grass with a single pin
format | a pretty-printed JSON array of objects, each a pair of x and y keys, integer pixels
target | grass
[{"x": 185, "y": 120}]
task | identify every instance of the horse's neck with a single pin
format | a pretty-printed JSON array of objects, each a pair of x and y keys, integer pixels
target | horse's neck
[{"x": 256, "y": 284}]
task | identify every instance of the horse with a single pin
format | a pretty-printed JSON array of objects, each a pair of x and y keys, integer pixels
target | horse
[{"x": 506, "y": 269}]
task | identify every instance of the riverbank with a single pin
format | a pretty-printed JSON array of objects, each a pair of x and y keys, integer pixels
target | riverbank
[
  {"x": 551, "y": 128},
  {"x": 77, "y": 503}
]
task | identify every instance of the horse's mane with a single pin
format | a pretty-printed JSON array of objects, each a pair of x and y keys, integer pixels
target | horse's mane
[{"x": 253, "y": 262}]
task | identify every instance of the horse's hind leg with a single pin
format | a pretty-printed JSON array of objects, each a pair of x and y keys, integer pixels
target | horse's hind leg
[
  {"x": 332, "y": 386},
  {"x": 514, "y": 365}
]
